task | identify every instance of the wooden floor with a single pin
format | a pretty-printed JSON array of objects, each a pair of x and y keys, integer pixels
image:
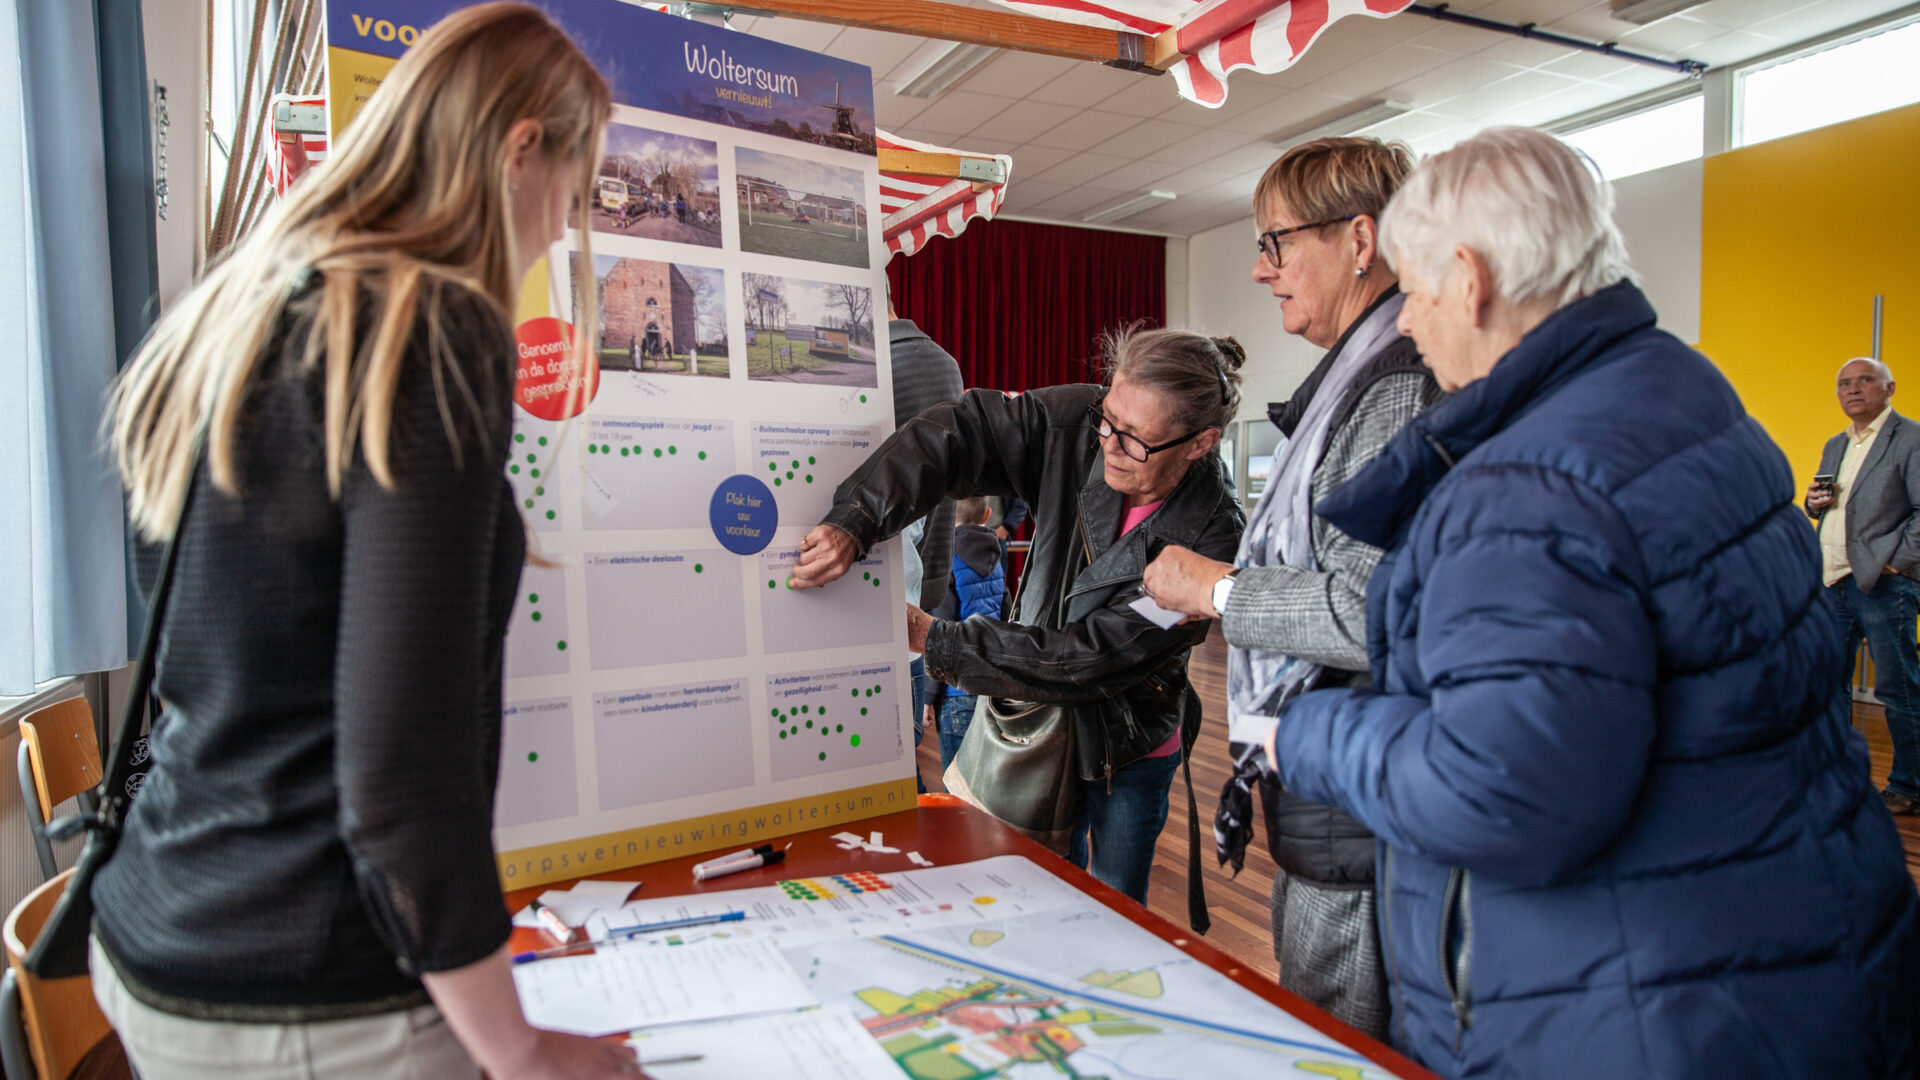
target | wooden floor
[{"x": 1241, "y": 924}]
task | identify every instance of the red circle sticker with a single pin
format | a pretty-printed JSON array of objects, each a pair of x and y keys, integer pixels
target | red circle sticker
[{"x": 545, "y": 380}]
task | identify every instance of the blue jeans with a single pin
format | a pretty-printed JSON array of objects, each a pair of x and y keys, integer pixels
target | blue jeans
[
  {"x": 1124, "y": 824},
  {"x": 1885, "y": 617},
  {"x": 956, "y": 712},
  {"x": 916, "y": 672}
]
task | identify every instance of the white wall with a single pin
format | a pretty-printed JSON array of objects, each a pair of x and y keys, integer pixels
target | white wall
[
  {"x": 1658, "y": 212},
  {"x": 1176, "y": 281},
  {"x": 176, "y": 38},
  {"x": 1222, "y": 298}
]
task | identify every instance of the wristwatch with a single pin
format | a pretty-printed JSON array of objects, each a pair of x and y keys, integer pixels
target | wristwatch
[{"x": 1223, "y": 589}]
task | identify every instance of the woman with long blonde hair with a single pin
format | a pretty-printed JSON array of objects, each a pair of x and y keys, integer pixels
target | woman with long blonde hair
[{"x": 306, "y": 885}]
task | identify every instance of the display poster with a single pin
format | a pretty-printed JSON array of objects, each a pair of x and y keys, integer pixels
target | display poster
[{"x": 666, "y": 692}]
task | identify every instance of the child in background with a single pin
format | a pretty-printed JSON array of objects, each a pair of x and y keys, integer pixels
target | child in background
[{"x": 979, "y": 586}]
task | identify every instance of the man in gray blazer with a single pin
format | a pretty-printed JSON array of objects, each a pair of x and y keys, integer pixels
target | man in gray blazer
[{"x": 1866, "y": 498}]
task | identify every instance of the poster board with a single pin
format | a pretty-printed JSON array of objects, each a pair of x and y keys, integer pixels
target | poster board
[{"x": 666, "y": 692}]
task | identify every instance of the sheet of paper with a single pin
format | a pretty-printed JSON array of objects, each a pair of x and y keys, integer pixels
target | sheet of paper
[
  {"x": 605, "y": 893},
  {"x": 815, "y": 1044},
  {"x": 1156, "y": 614},
  {"x": 856, "y": 903},
  {"x": 646, "y": 982}
]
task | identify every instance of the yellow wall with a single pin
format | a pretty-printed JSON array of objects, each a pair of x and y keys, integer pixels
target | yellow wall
[{"x": 1797, "y": 236}]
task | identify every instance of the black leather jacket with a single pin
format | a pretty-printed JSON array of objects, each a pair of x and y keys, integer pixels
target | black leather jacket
[{"x": 1127, "y": 676}]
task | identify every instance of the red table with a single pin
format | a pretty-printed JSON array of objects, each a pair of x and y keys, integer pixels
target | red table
[{"x": 946, "y": 830}]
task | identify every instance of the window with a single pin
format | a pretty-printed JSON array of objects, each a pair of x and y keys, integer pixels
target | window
[
  {"x": 1650, "y": 139},
  {"x": 1839, "y": 82}
]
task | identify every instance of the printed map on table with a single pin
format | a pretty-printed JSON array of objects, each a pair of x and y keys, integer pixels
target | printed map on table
[{"x": 997, "y": 968}]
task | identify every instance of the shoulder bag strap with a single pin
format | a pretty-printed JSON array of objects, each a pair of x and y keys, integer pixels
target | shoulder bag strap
[{"x": 114, "y": 797}]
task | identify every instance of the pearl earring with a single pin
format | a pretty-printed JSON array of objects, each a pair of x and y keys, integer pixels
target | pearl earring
[{"x": 1360, "y": 272}]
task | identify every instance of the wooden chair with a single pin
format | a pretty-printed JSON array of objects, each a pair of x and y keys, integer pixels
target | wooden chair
[
  {"x": 64, "y": 1027},
  {"x": 59, "y": 758}
]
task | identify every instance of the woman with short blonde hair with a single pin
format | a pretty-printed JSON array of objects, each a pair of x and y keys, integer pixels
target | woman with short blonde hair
[
  {"x": 1294, "y": 610},
  {"x": 306, "y": 884}
]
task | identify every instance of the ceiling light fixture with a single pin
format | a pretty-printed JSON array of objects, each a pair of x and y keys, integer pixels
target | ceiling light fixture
[
  {"x": 1139, "y": 204},
  {"x": 1642, "y": 12},
  {"x": 1351, "y": 122},
  {"x": 952, "y": 64}
]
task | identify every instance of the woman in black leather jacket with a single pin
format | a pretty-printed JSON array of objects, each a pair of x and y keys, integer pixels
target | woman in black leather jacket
[{"x": 1114, "y": 475}]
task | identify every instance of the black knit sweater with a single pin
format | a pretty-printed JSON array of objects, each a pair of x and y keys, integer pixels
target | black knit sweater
[{"x": 316, "y": 827}]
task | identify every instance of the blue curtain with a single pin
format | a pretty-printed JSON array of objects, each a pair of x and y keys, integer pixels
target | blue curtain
[{"x": 63, "y": 602}]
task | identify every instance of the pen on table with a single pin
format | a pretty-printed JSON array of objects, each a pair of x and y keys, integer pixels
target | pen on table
[
  {"x": 679, "y": 1060},
  {"x": 554, "y": 924},
  {"x": 745, "y": 853},
  {"x": 621, "y": 933},
  {"x": 706, "y": 871}
]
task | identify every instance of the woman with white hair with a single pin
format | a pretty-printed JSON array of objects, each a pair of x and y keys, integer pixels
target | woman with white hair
[{"x": 1626, "y": 829}]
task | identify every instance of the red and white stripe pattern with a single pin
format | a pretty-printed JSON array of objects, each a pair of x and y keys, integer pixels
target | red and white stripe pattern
[
  {"x": 282, "y": 166},
  {"x": 915, "y": 209},
  {"x": 1218, "y": 37}
]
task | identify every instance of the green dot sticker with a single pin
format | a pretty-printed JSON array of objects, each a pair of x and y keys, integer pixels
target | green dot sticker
[
  {"x": 789, "y": 476},
  {"x": 514, "y": 469},
  {"x": 543, "y": 440},
  {"x": 563, "y": 646},
  {"x": 673, "y": 449},
  {"x": 806, "y": 708},
  {"x": 877, "y": 688},
  {"x": 823, "y": 755},
  {"x": 876, "y": 583},
  {"x": 536, "y": 616},
  {"x": 856, "y": 693},
  {"x": 540, "y": 491},
  {"x": 809, "y": 478},
  {"x": 809, "y": 723},
  {"x": 863, "y": 710},
  {"x": 773, "y": 466},
  {"x": 863, "y": 399},
  {"x": 864, "y": 576},
  {"x": 529, "y": 504},
  {"x": 624, "y": 451},
  {"x": 869, "y": 693},
  {"x": 783, "y": 734},
  {"x": 838, "y": 728},
  {"x": 550, "y": 515},
  {"x": 771, "y": 584},
  {"x": 535, "y": 473},
  {"x": 776, "y": 712},
  {"x": 533, "y": 755},
  {"x": 703, "y": 455},
  {"x": 592, "y": 449},
  {"x": 656, "y": 451},
  {"x": 529, "y": 459},
  {"x": 855, "y": 740},
  {"x": 533, "y": 598},
  {"x": 810, "y": 460},
  {"x": 699, "y": 569},
  {"x": 776, "y": 481},
  {"x": 519, "y": 438}
]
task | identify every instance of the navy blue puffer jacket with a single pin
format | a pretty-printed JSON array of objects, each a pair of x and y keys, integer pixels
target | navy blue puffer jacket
[{"x": 1626, "y": 827}]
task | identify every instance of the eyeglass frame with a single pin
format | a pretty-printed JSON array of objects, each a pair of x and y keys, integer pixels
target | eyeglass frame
[
  {"x": 1101, "y": 420},
  {"x": 1273, "y": 236}
]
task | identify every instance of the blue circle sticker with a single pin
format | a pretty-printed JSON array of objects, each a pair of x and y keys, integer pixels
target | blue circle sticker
[{"x": 744, "y": 515}]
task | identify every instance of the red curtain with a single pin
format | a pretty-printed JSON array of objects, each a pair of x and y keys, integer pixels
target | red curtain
[{"x": 1021, "y": 305}]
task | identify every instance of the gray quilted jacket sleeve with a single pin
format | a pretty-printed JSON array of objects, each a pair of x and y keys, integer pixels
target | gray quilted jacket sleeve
[{"x": 1321, "y": 615}]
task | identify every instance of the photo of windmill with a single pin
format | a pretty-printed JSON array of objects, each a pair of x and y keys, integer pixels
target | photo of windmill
[
  {"x": 801, "y": 209},
  {"x": 845, "y": 134}
]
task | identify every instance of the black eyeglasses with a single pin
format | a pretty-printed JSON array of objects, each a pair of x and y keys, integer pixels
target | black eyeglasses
[
  {"x": 1270, "y": 244},
  {"x": 1130, "y": 444}
]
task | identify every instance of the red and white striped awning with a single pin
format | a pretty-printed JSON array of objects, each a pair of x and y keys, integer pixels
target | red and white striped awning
[
  {"x": 915, "y": 209},
  {"x": 1216, "y": 37},
  {"x": 291, "y": 154}
]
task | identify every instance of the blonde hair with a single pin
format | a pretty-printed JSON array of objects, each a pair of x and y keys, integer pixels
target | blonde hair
[
  {"x": 1335, "y": 178},
  {"x": 415, "y": 198}
]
